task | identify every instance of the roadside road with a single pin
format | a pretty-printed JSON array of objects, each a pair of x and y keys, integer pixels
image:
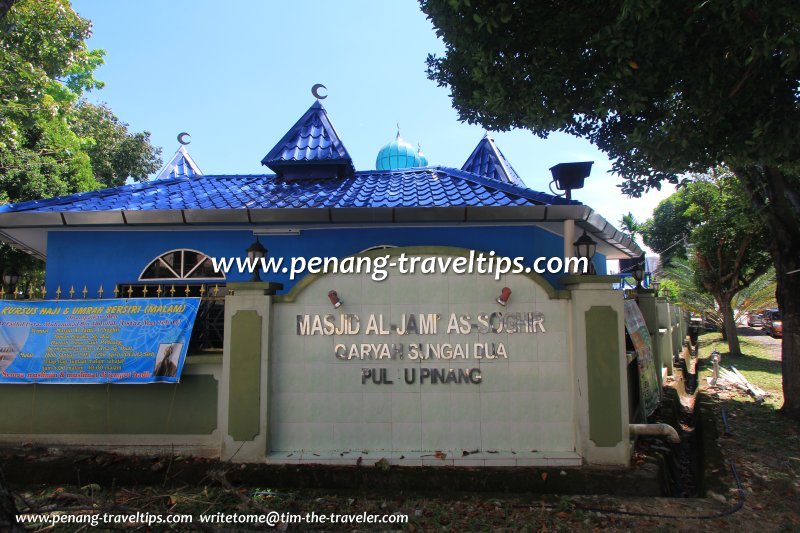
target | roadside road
[{"x": 758, "y": 335}]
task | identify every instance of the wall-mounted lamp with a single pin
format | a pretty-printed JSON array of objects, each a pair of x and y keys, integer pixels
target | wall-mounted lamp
[
  {"x": 255, "y": 253},
  {"x": 335, "y": 300},
  {"x": 505, "y": 294},
  {"x": 586, "y": 247},
  {"x": 569, "y": 176}
]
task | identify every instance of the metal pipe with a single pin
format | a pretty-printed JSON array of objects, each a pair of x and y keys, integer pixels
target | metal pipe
[
  {"x": 664, "y": 430},
  {"x": 715, "y": 358}
]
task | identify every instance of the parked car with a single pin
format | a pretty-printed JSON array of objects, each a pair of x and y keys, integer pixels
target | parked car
[
  {"x": 754, "y": 320},
  {"x": 772, "y": 322}
]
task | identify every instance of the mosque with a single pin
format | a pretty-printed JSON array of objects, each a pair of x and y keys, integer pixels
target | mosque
[
  {"x": 165, "y": 230},
  {"x": 440, "y": 368}
]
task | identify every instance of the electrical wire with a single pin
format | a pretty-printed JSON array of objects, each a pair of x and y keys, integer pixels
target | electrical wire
[{"x": 668, "y": 248}]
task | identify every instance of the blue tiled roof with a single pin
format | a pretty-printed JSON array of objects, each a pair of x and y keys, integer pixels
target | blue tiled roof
[
  {"x": 487, "y": 160},
  {"x": 312, "y": 139},
  {"x": 180, "y": 166},
  {"x": 414, "y": 187}
]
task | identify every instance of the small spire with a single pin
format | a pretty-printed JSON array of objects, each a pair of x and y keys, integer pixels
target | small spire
[
  {"x": 181, "y": 165},
  {"x": 487, "y": 160},
  {"x": 298, "y": 154},
  {"x": 423, "y": 161}
]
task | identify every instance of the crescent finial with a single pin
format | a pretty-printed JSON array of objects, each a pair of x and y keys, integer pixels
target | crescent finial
[{"x": 315, "y": 91}]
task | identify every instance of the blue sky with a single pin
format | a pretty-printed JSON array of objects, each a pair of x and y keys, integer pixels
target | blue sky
[{"x": 236, "y": 75}]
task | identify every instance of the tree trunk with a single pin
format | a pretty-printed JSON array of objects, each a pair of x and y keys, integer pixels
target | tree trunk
[
  {"x": 5, "y": 6},
  {"x": 776, "y": 197},
  {"x": 729, "y": 324},
  {"x": 788, "y": 295}
]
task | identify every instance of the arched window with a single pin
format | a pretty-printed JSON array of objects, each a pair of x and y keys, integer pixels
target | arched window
[
  {"x": 184, "y": 264},
  {"x": 378, "y": 247}
]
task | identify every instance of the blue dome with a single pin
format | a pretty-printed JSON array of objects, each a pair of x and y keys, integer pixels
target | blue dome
[{"x": 399, "y": 154}]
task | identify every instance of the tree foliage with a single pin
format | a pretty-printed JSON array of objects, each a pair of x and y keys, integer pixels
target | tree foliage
[
  {"x": 45, "y": 68},
  {"x": 53, "y": 141},
  {"x": 681, "y": 282},
  {"x": 662, "y": 87},
  {"x": 114, "y": 152},
  {"x": 630, "y": 225},
  {"x": 711, "y": 222}
]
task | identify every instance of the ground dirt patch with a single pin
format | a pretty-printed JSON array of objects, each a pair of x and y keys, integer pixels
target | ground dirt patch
[{"x": 763, "y": 446}]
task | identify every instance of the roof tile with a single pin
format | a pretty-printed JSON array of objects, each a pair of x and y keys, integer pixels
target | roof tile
[
  {"x": 312, "y": 139},
  {"x": 429, "y": 186},
  {"x": 487, "y": 160}
]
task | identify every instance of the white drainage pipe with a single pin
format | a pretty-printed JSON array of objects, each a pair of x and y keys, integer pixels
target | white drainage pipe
[{"x": 664, "y": 430}]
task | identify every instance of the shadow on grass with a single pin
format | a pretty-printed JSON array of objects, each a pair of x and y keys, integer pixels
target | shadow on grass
[
  {"x": 748, "y": 363},
  {"x": 755, "y": 357}
]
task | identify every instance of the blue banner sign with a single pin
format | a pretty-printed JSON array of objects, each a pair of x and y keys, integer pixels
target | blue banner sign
[{"x": 142, "y": 340}]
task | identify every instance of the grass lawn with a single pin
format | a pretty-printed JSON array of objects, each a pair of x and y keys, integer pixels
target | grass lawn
[
  {"x": 759, "y": 363},
  {"x": 764, "y": 444}
]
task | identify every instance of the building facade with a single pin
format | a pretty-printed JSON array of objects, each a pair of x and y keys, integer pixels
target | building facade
[{"x": 442, "y": 368}]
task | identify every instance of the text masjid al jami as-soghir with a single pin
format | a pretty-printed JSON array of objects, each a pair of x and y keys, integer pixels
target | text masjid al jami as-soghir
[{"x": 421, "y": 324}]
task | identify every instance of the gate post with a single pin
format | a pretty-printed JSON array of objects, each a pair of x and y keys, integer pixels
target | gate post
[
  {"x": 646, "y": 300},
  {"x": 600, "y": 367},
  {"x": 665, "y": 334},
  {"x": 244, "y": 390}
]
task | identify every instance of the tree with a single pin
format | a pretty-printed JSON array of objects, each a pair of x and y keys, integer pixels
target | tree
[
  {"x": 5, "y": 5},
  {"x": 681, "y": 282},
  {"x": 114, "y": 152},
  {"x": 52, "y": 141},
  {"x": 630, "y": 225},
  {"x": 663, "y": 88},
  {"x": 727, "y": 251},
  {"x": 671, "y": 239}
]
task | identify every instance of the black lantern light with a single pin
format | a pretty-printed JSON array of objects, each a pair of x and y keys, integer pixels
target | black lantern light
[
  {"x": 585, "y": 247},
  {"x": 638, "y": 272},
  {"x": 655, "y": 284},
  {"x": 255, "y": 253},
  {"x": 569, "y": 176},
  {"x": 10, "y": 279}
]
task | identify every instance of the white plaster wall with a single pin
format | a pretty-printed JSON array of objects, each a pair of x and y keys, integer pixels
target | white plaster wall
[
  {"x": 584, "y": 297},
  {"x": 318, "y": 406}
]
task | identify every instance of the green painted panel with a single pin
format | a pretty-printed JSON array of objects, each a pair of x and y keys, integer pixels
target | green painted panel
[
  {"x": 17, "y": 402},
  {"x": 245, "y": 376},
  {"x": 602, "y": 353},
  {"x": 185, "y": 408},
  {"x": 70, "y": 409}
]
